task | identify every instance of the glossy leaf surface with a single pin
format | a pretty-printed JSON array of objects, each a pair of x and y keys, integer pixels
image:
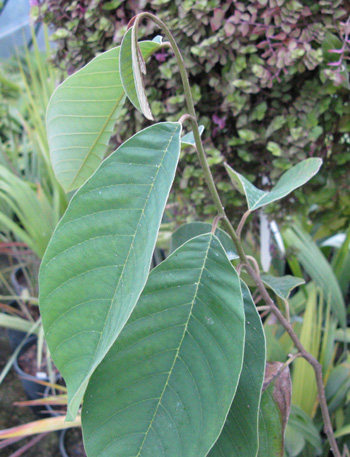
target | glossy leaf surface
[
  {"x": 289, "y": 181},
  {"x": 99, "y": 257},
  {"x": 239, "y": 437},
  {"x": 167, "y": 383},
  {"x": 131, "y": 68},
  {"x": 187, "y": 231},
  {"x": 282, "y": 285},
  {"x": 81, "y": 116}
]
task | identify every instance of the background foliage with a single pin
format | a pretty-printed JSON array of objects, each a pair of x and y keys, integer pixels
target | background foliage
[{"x": 262, "y": 72}]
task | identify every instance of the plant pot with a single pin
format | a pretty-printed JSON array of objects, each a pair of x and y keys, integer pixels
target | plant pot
[
  {"x": 18, "y": 280},
  {"x": 32, "y": 389},
  {"x": 71, "y": 443}
]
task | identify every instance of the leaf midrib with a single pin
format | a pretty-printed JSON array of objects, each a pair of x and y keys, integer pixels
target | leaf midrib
[
  {"x": 102, "y": 131},
  {"x": 94, "y": 365},
  {"x": 179, "y": 347}
]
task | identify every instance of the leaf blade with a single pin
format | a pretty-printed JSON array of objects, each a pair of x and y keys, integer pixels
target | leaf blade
[
  {"x": 289, "y": 181},
  {"x": 91, "y": 99},
  {"x": 239, "y": 437},
  {"x": 107, "y": 237},
  {"x": 176, "y": 384}
]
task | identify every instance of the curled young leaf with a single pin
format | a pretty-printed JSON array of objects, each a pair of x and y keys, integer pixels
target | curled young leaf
[{"x": 132, "y": 67}]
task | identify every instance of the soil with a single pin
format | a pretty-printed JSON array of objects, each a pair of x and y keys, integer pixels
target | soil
[
  {"x": 74, "y": 443},
  {"x": 27, "y": 361},
  {"x": 11, "y": 391}
]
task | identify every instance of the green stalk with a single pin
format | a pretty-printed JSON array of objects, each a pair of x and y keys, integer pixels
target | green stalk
[{"x": 235, "y": 238}]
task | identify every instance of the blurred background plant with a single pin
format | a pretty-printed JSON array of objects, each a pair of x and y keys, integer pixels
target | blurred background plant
[{"x": 271, "y": 77}]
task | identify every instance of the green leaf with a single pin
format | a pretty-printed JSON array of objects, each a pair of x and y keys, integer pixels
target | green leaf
[
  {"x": 317, "y": 267},
  {"x": 289, "y": 181},
  {"x": 98, "y": 259},
  {"x": 36, "y": 218},
  {"x": 188, "y": 139},
  {"x": 283, "y": 285},
  {"x": 188, "y": 231},
  {"x": 167, "y": 384},
  {"x": 81, "y": 116},
  {"x": 239, "y": 437},
  {"x": 302, "y": 423},
  {"x": 274, "y": 410},
  {"x": 15, "y": 323},
  {"x": 131, "y": 67}
]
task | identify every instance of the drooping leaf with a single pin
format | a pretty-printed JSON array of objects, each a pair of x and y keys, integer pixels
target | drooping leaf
[
  {"x": 90, "y": 100},
  {"x": 274, "y": 410},
  {"x": 166, "y": 385},
  {"x": 98, "y": 259},
  {"x": 283, "y": 285},
  {"x": 239, "y": 437},
  {"x": 188, "y": 139},
  {"x": 131, "y": 67},
  {"x": 289, "y": 181},
  {"x": 188, "y": 231},
  {"x": 317, "y": 267}
]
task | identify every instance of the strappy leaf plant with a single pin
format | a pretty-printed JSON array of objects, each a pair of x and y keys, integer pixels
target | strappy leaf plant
[{"x": 169, "y": 362}]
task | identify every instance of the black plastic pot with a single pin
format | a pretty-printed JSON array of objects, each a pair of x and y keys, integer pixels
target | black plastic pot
[
  {"x": 17, "y": 284},
  {"x": 62, "y": 444},
  {"x": 32, "y": 389}
]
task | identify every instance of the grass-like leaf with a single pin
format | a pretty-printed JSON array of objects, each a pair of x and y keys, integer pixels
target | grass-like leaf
[
  {"x": 167, "y": 384},
  {"x": 317, "y": 267},
  {"x": 98, "y": 259}
]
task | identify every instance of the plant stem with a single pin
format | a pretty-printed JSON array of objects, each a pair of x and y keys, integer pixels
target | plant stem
[{"x": 236, "y": 238}]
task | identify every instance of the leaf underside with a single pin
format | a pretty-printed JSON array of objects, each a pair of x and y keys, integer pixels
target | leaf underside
[
  {"x": 81, "y": 116},
  {"x": 131, "y": 73},
  {"x": 167, "y": 383},
  {"x": 282, "y": 285},
  {"x": 98, "y": 259},
  {"x": 239, "y": 437},
  {"x": 289, "y": 181}
]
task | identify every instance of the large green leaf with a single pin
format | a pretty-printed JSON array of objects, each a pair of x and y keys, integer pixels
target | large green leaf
[
  {"x": 167, "y": 384},
  {"x": 98, "y": 259},
  {"x": 317, "y": 267},
  {"x": 131, "y": 67},
  {"x": 81, "y": 116},
  {"x": 187, "y": 231},
  {"x": 289, "y": 181},
  {"x": 239, "y": 437}
]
